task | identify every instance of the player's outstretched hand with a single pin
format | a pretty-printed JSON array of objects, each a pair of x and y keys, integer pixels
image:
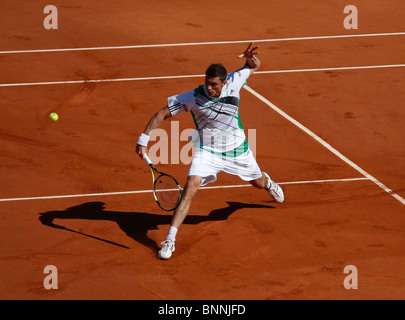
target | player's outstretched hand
[{"x": 249, "y": 52}]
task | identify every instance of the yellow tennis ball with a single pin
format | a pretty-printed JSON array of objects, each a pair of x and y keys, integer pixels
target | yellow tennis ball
[{"x": 54, "y": 116}]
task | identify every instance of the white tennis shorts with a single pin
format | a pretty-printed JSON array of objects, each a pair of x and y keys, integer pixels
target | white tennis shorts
[{"x": 207, "y": 165}]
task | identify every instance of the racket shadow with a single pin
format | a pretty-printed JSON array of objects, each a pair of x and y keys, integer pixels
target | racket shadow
[{"x": 135, "y": 224}]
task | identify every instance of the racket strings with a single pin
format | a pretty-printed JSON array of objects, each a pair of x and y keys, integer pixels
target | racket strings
[{"x": 167, "y": 191}]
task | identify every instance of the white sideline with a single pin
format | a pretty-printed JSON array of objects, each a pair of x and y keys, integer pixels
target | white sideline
[
  {"x": 325, "y": 144},
  {"x": 194, "y": 76},
  {"x": 150, "y": 191},
  {"x": 204, "y": 43}
]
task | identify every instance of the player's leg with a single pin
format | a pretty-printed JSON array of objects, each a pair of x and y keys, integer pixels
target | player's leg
[
  {"x": 190, "y": 190},
  {"x": 246, "y": 167},
  {"x": 203, "y": 170},
  {"x": 260, "y": 183},
  {"x": 264, "y": 182}
]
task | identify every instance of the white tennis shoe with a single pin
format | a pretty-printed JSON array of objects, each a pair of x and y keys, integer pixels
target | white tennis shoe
[
  {"x": 275, "y": 190},
  {"x": 167, "y": 249}
]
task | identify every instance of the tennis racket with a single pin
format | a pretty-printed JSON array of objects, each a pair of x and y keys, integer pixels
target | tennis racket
[{"x": 166, "y": 190}]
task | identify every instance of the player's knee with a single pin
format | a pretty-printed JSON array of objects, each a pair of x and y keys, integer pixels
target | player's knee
[
  {"x": 192, "y": 186},
  {"x": 259, "y": 183}
]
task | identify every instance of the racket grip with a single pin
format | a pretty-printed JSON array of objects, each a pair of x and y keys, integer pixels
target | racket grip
[{"x": 146, "y": 158}]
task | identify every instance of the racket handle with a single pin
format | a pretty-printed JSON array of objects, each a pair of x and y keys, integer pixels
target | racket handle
[{"x": 146, "y": 158}]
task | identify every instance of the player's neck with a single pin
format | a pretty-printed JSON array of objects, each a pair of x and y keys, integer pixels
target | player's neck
[{"x": 211, "y": 97}]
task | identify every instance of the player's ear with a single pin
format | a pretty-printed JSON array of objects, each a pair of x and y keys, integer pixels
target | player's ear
[{"x": 223, "y": 83}]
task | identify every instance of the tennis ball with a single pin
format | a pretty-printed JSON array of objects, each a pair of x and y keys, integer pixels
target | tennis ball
[{"x": 54, "y": 116}]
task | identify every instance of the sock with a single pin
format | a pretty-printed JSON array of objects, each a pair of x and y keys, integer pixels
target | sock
[
  {"x": 172, "y": 234},
  {"x": 268, "y": 184}
]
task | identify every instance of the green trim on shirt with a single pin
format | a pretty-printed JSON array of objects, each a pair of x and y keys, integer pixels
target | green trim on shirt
[{"x": 243, "y": 147}]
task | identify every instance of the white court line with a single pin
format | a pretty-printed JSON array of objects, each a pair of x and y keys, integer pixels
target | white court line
[
  {"x": 195, "y": 76},
  {"x": 204, "y": 43},
  {"x": 334, "y": 69},
  {"x": 325, "y": 144},
  {"x": 150, "y": 191},
  {"x": 96, "y": 81}
]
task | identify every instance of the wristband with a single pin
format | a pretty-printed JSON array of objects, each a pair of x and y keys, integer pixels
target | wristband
[{"x": 143, "y": 140}]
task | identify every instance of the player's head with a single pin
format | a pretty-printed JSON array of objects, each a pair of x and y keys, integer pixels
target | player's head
[{"x": 215, "y": 79}]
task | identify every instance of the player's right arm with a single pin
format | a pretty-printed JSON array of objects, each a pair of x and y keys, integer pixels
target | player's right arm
[
  {"x": 251, "y": 58},
  {"x": 154, "y": 123}
]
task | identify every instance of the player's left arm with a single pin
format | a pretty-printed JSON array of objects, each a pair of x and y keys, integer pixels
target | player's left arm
[
  {"x": 252, "y": 61},
  {"x": 154, "y": 123}
]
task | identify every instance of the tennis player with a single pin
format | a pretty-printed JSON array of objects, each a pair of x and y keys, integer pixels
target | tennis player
[{"x": 219, "y": 139}]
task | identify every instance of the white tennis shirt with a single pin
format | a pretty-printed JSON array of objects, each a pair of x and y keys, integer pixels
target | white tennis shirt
[{"x": 218, "y": 125}]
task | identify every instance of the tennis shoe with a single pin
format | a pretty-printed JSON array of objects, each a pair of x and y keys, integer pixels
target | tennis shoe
[
  {"x": 167, "y": 249},
  {"x": 275, "y": 190}
]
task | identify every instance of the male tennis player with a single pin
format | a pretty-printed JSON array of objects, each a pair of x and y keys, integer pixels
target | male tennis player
[{"x": 219, "y": 139}]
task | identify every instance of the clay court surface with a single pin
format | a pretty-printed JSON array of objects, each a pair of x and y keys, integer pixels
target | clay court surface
[{"x": 343, "y": 208}]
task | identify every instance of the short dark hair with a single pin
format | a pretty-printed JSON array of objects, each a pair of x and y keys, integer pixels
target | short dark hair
[{"x": 217, "y": 70}]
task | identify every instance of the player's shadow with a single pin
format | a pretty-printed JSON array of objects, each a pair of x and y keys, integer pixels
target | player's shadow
[{"x": 135, "y": 224}]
